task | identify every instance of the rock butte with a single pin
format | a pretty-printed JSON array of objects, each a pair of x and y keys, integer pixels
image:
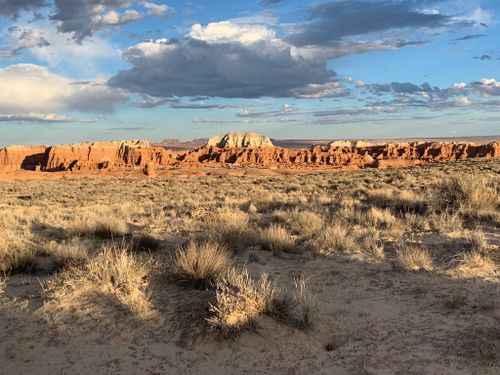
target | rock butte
[{"x": 252, "y": 151}]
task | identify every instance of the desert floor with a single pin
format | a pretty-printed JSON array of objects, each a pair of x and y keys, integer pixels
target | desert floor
[{"x": 369, "y": 272}]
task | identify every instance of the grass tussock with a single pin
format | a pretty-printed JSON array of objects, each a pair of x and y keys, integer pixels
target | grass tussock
[
  {"x": 105, "y": 227},
  {"x": 201, "y": 263},
  {"x": 465, "y": 193},
  {"x": 231, "y": 228},
  {"x": 298, "y": 308},
  {"x": 239, "y": 301},
  {"x": 414, "y": 259},
  {"x": 277, "y": 239},
  {"x": 335, "y": 238},
  {"x": 114, "y": 273}
]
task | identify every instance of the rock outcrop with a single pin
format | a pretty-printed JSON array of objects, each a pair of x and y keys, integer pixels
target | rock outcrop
[
  {"x": 13, "y": 158},
  {"x": 105, "y": 155},
  {"x": 239, "y": 140},
  {"x": 149, "y": 159}
]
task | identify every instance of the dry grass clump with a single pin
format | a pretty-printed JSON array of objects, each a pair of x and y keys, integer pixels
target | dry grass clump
[
  {"x": 474, "y": 263},
  {"x": 445, "y": 222},
  {"x": 465, "y": 193},
  {"x": 398, "y": 201},
  {"x": 277, "y": 239},
  {"x": 335, "y": 238},
  {"x": 379, "y": 218},
  {"x": 371, "y": 245},
  {"x": 201, "y": 263},
  {"x": 298, "y": 308},
  {"x": 114, "y": 273},
  {"x": 100, "y": 226},
  {"x": 230, "y": 228},
  {"x": 239, "y": 301},
  {"x": 305, "y": 223},
  {"x": 414, "y": 259}
]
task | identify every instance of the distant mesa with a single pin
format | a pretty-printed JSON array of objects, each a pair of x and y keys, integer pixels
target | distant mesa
[
  {"x": 247, "y": 150},
  {"x": 240, "y": 140}
]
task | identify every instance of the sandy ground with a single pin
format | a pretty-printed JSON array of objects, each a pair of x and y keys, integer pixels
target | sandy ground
[{"x": 372, "y": 320}]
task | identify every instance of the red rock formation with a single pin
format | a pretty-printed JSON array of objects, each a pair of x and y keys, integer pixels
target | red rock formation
[
  {"x": 378, "y": 156},
  {"x": 105, "y": 155},
  {"x": 139, "y": 154},
  {"x": 14, "y": 158}
]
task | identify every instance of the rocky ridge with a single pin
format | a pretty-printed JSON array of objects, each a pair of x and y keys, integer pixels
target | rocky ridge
[{"x": 141, "y": 155}]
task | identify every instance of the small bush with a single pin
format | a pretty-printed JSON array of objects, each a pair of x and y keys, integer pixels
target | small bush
[
  {"x": 380, "y": 219},
  {"x": 334, "y": 238},
  {"x": 232, "y": 229},
  {"x": 239, "y": 301},
  {"x": 105, "y": 227},
  {"x": 414, "y": 259},
  {"x": 298, "y": 308},
  {"x": 463, "y": 193},
  {"x": 114, "y": 273},
  {"x": 201, "y": 264},
  {"x": 305, "y": 223},
  {"x": 277, "y": 239}
]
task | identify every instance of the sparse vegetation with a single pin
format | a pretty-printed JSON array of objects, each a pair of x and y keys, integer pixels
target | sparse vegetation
[
  {"x": 240, "y": 300},
  {"x": 88, "y": 257},
  {"x": 277, "y": 239},
  {"x": 201, "y": 263}
]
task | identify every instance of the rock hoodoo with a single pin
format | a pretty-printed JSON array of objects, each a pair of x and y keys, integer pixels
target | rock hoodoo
[{"x": 239, "y": 140}]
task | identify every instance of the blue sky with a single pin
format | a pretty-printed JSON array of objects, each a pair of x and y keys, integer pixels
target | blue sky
[{"x": 72, "y": 71}]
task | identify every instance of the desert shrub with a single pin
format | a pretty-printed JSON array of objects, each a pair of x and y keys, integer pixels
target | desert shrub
[
  {"x": 371, "y": 245},
  {"x": 413, "y": 259},
  {"x": 101, "y": 226},
  {"x": 230, "y": 228},
  {"x": 298, "y": 308},
  {"x": 305, "y": 223},
  {"x": 114, "y": 273},
  {"x": 239, "y": 301},
  {"x": 445, "y": 222},
  {"x": 201, "y": 263},
  {"x": 379, "y": 218},
  {"x": 462, "y": 193},
  {"x": 17, "y": 259},
  {"x": 277, "y": 239},
  {"x": 398, "y": 201},
  {"x": 334, "y": 238}
]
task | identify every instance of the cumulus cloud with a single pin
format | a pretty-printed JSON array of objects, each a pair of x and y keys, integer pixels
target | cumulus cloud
[
  {"x": 156, "y": 9},
  {"x": 335, "y": 20},
  {"x": 46, "y": 44},
  {"x": 486, "y": 87},
  {"x": 13, "y": 7},
  {"x": 31, "y": 90},
  {"x": 84, "y": 18},
  {"x": 225, "y": 59}
]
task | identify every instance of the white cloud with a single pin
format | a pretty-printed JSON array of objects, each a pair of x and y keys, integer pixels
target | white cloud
[
  {"x": 28, "y": 89},
  {"x": 156, "y": 9},
  {"x": 229, "y": 32}
]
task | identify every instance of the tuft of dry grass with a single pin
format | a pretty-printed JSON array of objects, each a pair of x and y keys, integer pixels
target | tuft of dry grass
[
  {"x": 305, "y": 223},
  {"x": 114, "y": 273},
  {"x": 334, "y": 238},
  {"x": 465, "y": 193},
  {"x": 231, "y": 228},
  {"x": 100, "y": 226},
  {"x": 201, "y": 263},
  {"x": 277, "y": 239},
  {"x": 414, "y": 259},
  {"x": 298, "y": 308},
  {"x": 239, "y": 301}
]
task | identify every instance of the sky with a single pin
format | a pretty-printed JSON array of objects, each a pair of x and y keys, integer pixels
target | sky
[{"x": 91, "y": 70}]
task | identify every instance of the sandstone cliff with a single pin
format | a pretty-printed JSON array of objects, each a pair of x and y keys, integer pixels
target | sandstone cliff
[
  {"x": 238, "y": 140},
  {"x": 102, "y": 155},
  {"x": 13, "y": 158},
  {"x": 141, "y": 155}
]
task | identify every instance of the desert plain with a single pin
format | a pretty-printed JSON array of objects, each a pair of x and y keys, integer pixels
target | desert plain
[{"x": 243, "y": 258}]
